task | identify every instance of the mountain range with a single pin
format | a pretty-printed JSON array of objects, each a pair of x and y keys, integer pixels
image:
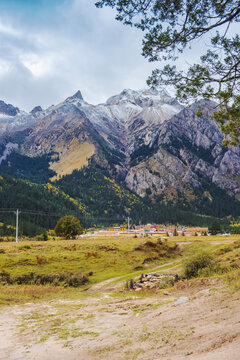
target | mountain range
[{"x": 146, "y": 145}]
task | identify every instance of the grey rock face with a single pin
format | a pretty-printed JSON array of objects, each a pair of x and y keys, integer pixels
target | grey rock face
[
  {"x": 8, "y": 109},
  {"x": 36, "y": 110}
]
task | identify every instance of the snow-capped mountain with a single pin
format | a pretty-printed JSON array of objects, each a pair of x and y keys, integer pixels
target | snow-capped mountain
[
  {"x": 145, "y": 139},
  {"x": 129, "y": 115},
  {"x": 13, "y": 119}
]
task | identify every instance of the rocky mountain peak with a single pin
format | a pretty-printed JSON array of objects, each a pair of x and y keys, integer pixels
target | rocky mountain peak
[
  {"x": 143, "y": 98},
  {"x": 36, "y": 110},
  {"x": 8, "y": 109},
  {"x": 77, "y": 96}
]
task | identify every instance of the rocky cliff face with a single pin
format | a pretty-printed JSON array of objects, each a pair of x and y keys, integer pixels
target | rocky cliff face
[
  {"x": 8, "y": 109},
  {"x": 152, "y": 143},
  {"x": 187, "y": 150}
]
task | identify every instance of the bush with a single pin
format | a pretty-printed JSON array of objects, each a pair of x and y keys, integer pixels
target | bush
[
  {"x": 23, "y": 247},
  {"x": 235, "y": 228},
  {"x": 66, "y": 279},
  {"x": 233, "y": 279},
  {"x": 199, "y": 263},
  {"x": 44, "y": 236}
]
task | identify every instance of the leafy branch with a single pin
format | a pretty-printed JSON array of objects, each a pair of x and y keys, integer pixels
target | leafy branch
[{"x": 169, "y": 26}]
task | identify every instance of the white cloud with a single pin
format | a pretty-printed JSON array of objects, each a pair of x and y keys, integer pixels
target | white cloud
[
  {"x": 48, "y": 54},
  {"x": 38, "y": 65},
  {"x": 46, "y": 59}
]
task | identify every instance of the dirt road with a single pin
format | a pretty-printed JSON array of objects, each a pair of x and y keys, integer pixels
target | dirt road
[{"x": 206, "y": 327}]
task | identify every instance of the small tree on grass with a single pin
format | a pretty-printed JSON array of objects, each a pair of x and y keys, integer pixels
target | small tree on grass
[
  {"x": 175, "y": 233},
  {"x": 68, "y": 226},
  {"x": 44, "y": 236},
  {"x": 215, "y": 228}
]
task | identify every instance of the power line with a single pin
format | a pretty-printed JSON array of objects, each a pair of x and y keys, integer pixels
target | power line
[{"x": 32, "y": 212}]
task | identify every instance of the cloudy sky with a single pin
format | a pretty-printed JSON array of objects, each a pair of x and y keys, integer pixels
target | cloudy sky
[{"x": 51, "y": 48}]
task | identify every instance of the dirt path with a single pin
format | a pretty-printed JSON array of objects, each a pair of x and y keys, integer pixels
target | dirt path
[
  {"x": 206, "y": 327},
  {"x": 115, "y": 283}
]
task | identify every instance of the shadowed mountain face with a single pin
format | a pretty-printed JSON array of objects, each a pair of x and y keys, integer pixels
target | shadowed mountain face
[
  {"x": 143, "y": 139},
  {"x": 8, "y": 109}
]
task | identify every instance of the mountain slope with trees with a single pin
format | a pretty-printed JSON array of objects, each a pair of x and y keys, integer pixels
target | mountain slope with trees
[{"x": 141, "y": 154}]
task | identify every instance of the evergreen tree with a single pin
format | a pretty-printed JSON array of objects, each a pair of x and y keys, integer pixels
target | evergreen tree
[{"x": 215, "y": 228}]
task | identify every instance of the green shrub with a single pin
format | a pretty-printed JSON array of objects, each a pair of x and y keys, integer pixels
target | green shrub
[
  {"x": 65, "y": 278},
  {"x": 233, "y": 279},
  {"x": 44, "y": 236},
  {"x": 235, "y": 228},
  {"x": 175, "y": 233},
  {"x": 23, "y": 247},
  {"x": 199, "y": 263}
]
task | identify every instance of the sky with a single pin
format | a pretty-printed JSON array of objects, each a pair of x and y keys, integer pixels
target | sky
[{"x": 51, "y": 48}]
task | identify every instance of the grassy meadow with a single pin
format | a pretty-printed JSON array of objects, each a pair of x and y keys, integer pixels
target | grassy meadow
[{"x": 34, "y": 270}]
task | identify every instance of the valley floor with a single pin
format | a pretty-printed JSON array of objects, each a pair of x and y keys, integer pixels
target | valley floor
[{"x": 103, "y": 326}]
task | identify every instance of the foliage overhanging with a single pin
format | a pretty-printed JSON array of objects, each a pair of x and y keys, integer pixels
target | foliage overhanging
[{"x": 170, "y": 27}]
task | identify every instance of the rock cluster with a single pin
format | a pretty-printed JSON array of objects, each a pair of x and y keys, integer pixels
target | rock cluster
[{"x": 153, "y": 281}]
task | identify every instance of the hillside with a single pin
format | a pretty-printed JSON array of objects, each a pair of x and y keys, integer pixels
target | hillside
[
  {"x": 145, "y": 142},
  {"x": 40, "y": 205}
]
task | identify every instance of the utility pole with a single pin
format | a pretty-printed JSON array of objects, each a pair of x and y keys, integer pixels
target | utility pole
[{"x": 17, "y": 214}]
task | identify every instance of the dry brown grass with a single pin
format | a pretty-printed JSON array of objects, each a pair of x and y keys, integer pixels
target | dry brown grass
[{"x": 73, "y": 157}]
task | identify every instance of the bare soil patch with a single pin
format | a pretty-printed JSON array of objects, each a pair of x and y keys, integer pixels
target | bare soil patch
[{"x": 206, "y": 327}]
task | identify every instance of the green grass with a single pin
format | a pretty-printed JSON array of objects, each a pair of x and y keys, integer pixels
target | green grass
[
  {"x": 121, "y": 258},
  {"x": 105, "y": 257},
  {"x": 218, "y": 238}
]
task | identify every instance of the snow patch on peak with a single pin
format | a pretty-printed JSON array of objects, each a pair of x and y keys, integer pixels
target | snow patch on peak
[{"x": 143, "y": 98}]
